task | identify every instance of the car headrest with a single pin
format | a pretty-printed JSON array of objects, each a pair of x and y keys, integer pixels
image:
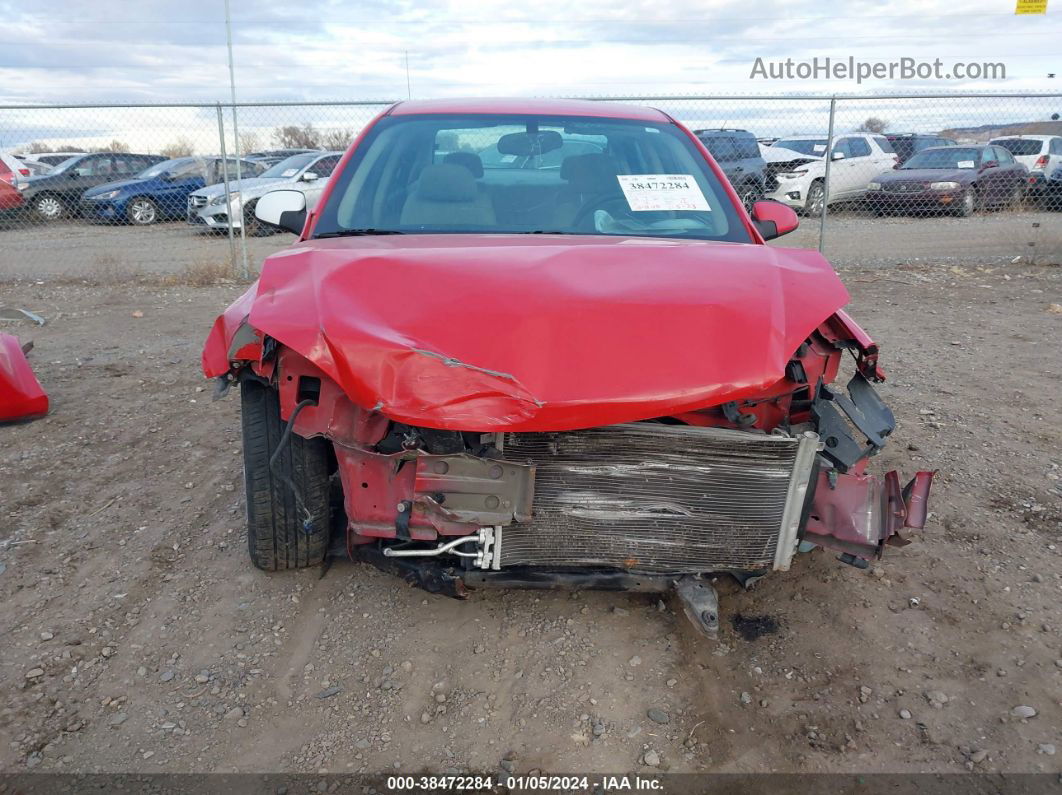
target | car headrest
[
  {"x": 469, "y": 160},
  {"x": 445, "y": 182},
  {"x": 594, "y": 171}
]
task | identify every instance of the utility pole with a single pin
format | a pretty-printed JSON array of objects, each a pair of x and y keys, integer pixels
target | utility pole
[{"x": 246, "y": 270}]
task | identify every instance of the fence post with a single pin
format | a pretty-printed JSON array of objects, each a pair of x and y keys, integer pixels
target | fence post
[
  {"x": 826, "y": 184},
  {"x": 225, "y": 179}
]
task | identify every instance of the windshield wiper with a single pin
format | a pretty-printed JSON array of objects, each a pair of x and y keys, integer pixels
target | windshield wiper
[{"x": 357, "y": 233}]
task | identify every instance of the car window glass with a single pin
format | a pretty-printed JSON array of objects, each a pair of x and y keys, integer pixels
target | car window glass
[
  {"x": 1056, "y": 146},
  {"x": 746, "y": 147},
  {"x": 884, "y": 145},
  {"x": 843, "y": 146},
  {"x": 721, "y": 147},
  {"x": 325, "y": 166},
  {"x": 615, "y": 177},
  {"x": 121, "y": 164},
  {"x": 858, "y": 147},
  {"x": 1005, "y": 157}
]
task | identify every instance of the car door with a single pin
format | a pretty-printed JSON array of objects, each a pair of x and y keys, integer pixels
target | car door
[
  {"x": 174, "y": 187},
  {"x": 323, "y": 168},
  {"x": 1012, "y": 173},
  {"x": 843, "y": 178},
  {"x": 992, "y": 180},
  {"x": 88, "y": 172}
]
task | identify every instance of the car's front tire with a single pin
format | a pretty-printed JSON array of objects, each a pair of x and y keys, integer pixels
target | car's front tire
[
  {"x": 142, "y": 212},
  {"x": 816, "y": 199},
  {"x": 49, "y": 207},
  {"x": 288, "y": 508},
  {"x": 967, "y": 203}
]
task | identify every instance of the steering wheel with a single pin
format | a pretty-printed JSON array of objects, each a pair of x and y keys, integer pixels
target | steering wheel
[{"x": 602, "y": 202}]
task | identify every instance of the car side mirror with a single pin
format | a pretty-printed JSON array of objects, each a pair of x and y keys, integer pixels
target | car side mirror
[
  {"x": 773, "y": 219},
  {"x": 990, "y": 164},
  {"x": 309, "y": 176},
  {"x": 838, "y": 155},
  {"x": 285, "y": 209}
]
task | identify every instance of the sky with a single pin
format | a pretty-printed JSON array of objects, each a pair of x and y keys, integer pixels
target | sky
[{"x": 72, "y": 51}]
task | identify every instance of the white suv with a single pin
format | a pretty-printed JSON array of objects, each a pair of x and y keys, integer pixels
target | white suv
[
  {"x": 796, "y": 168},
  {"x": 1042, "y": 155}
]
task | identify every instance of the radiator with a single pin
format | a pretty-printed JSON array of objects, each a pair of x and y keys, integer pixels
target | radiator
[{"x": 660, "y": 498}]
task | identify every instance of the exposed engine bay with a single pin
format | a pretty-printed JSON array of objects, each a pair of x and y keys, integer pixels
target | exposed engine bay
[{"x": 653, "y": 505}]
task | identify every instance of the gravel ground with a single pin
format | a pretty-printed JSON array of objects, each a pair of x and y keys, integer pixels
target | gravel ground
[
  {"x": 137, "y": 637},
  {"x": 74, "y": 248}
]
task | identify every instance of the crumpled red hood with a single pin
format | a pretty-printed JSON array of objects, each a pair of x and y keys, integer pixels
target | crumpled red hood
[{"x": 522, "y": 332}]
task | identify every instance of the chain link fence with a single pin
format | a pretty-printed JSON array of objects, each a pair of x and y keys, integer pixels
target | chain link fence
[{"x": 98, "y": 191}]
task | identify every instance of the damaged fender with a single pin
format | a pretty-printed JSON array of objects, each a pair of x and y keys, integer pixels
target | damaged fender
[{"x": 21, "y": 395}]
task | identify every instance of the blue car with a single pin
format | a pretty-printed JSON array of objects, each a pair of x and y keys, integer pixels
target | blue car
[{"x": 159, "y": 192}]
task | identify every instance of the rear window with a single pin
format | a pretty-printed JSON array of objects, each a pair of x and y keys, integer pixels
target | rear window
[
  {"x": 1020, "y": 146},
  {"x": 883, "y": 144}
]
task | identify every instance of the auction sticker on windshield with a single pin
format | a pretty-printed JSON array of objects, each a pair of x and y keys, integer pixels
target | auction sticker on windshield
[
  {"x": 654, "y": 192},
  {"x": 966, "y": 164}
]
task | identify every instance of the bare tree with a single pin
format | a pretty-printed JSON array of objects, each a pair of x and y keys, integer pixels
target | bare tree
[
  {"x": 182, "y": 147},
  {"x": 339, "y": 138},
  {"x": 873, "y": 125},
  {"x": 114, "y": 146},
  {"x": 294, "y": 137},
  {"x": 37, "y": 148},
  {"x": 249, "y": 142}
]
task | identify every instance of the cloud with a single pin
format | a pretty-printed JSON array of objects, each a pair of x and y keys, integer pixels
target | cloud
[{"x": 157, "y": 51}]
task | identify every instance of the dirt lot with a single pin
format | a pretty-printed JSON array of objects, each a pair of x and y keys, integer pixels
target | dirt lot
[{"x": 136, "y": 635}]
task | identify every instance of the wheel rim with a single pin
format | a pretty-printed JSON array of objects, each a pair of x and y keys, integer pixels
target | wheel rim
[
  {"x": 748, "y": 198},
  {"x": 49, "y": 207},
  {"x": 818, "y": 196},
  {"x": 143, "y": 212},
  {"x": 968, "y": 202}
]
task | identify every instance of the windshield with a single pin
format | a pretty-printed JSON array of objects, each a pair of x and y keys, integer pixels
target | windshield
[
  {"x": 815, "y": 147},
  {"x": 952, "y": 157},
  {"x": 178, "y": 167},
  {"x": 526, "y": 174},
  {"x": 289, "y": 167},
  {"x": 1021, "y": 146}
]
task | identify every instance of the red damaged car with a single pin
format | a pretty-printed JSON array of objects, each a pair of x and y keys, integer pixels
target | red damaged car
[{"x": 528, "y": 343}]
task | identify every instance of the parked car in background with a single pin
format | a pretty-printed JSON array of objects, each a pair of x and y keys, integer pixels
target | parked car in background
[
  {"x": 738, "y": 154},
  {"x": 1042, "y": 155},
  {"x": 36, "y": 168},
  {"x": 307, "y": 172},
  {"x": 907, "y": 144},
  {"x": 955, "y": 179},
  {"x": 12, "y": 169},
  {"x": 10, "y": 197},
  {"x": 51, "y": 158},
  {"x": 796, "y": 168},
  {"x": 161, "y": 191},
  {"x": 55, "y": 195},
  {"x": 272, "y": 156}
]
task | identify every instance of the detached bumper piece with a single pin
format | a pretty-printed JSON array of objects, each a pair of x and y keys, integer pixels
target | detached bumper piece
[
  {"x": 853, "y": 512},
  {"x": 21, "y": 396}
]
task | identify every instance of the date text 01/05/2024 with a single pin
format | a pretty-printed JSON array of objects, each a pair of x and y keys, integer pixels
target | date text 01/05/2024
[{"x": 541, "y": 783}]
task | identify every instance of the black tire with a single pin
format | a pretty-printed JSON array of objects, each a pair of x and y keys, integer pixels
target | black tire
[
  {"x": 750, "y": 193},
  {"x": 1017, "y": 198},
  {"x": 142, "y": 211},
  {"x": 254, "y": 227},
  {"x": 816, "y": 199},
  {"x": 49, "y": 207},
  {"x": 277, "y": 537}
]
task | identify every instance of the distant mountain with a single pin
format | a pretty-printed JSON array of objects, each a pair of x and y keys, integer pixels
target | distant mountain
[{"x": 984, "y": 132}]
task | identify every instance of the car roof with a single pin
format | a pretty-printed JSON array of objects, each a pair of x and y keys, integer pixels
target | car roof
[
  {"x": 1029, "y": 137},
  {"x": 518, "y": 106},
  {"x": 721, "y": 130}
]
